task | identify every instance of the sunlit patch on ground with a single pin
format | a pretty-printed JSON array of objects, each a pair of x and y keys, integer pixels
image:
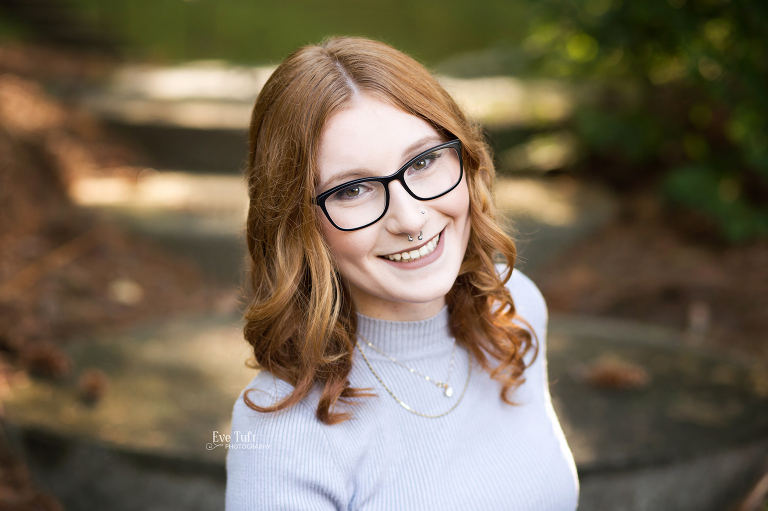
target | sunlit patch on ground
[{"x": 215, "y": 95}]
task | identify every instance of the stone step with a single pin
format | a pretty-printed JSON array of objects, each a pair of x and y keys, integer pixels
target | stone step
[
  {"x": 170, "y": 385},
  {"x": 219, "y": 95},
  {"x": 202, "y": 216},
  {"x": 195, "y": 116},
  {"x": 686, "y": 439}
]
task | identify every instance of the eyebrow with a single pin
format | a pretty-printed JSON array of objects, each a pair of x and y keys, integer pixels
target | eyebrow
[{"x": 352, "y": 174}]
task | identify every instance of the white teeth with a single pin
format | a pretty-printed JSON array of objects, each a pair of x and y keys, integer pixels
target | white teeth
[{"x": 416, "y": 254}]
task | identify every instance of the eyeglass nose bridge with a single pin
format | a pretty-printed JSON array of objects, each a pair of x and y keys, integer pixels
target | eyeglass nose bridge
[
  {"x": 400, "y": 177},
  {"x": 397, "y": 176}
]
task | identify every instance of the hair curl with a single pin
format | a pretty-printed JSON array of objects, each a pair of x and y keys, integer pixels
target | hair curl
[{"x": 301, "y": 321}]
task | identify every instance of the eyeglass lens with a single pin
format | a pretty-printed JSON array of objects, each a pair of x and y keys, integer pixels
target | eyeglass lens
[{"x": 362, "y": 203}]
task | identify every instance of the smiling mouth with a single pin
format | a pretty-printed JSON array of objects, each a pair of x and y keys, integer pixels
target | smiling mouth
[{"x": 415, "y": 253}]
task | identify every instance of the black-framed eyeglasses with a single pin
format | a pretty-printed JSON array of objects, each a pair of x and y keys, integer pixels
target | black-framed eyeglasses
[{"x": 362, "y": 202}]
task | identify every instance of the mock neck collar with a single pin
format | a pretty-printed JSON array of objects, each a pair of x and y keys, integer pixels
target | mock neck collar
[{"x": 406, "y": 339}]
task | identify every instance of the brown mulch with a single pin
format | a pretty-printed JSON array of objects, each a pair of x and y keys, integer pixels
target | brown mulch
[{"x": 665, "y": 266}]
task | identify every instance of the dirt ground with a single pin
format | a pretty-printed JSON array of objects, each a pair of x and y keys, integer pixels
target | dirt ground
[{"x": 664, "y": 266}]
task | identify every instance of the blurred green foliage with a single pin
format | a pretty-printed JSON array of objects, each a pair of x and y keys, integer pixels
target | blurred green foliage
[
  {"x": 679, "y": 97},
  {"x": 10, "y": 31},
  {"x": 264, "y": 31}
]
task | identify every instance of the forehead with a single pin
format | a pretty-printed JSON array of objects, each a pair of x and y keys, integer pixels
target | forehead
[{"x": 372, "y": 136}]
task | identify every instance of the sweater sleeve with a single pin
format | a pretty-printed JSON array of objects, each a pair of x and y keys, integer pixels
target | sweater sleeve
[
  {"x": 532, "y": 306},
  {"x": 280, "y": 460}
]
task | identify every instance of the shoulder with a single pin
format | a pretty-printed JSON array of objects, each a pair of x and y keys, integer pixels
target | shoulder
[
  {"x": 279, "y": 457},
  {"x": 266, "y": 390}
]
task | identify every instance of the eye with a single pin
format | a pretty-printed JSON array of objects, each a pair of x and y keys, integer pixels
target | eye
[
  {"x": 351, "y": 192},
  {"x": 426, "y": 161}
]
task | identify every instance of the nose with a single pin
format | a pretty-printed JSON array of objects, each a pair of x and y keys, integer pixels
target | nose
[{"x": 404, "y": 212}]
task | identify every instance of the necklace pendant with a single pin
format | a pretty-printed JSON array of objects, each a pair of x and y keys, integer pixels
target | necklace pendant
[{"x": 449, "y": 391}]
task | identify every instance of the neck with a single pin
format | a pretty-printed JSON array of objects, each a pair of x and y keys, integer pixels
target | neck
[
  {"x": 378, "y": 308},
  {"x": 406, "y": 339}
]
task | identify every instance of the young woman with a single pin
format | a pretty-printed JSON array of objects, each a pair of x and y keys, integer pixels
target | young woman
[{"x": 400, "y": 367}]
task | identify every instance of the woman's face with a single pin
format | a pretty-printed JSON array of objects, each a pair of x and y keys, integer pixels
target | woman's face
[{"x": 374, "y": 138}]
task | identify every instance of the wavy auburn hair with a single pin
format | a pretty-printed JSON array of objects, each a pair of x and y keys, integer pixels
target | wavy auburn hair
[{"x": 301, "y": 321}]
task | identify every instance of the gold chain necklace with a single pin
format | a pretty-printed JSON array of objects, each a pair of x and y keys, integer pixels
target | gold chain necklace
[
  {"x": 469, "y": 373},
  {"x": 446, "y": 385}
]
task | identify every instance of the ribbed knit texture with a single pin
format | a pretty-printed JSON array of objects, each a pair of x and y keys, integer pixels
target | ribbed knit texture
[{"x": 483, "y": 455}]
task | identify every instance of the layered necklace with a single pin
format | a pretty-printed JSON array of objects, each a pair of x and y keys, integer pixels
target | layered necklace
[{"x": 444, "y": 385}]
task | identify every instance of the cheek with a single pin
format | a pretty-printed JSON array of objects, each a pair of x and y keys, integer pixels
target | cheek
[
  {"x": 331, "y": 235},
  {"x": 347, "y": 248},
  {"x": 462, "y": 215},
  {"x": 460, "y": 205}
]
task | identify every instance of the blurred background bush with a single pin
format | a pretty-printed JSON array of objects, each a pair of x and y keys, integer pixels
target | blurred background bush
[{"x": 679, "y": 96}]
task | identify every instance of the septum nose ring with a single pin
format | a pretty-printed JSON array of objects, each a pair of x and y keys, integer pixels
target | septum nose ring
[{"x": 421, "y": 237}]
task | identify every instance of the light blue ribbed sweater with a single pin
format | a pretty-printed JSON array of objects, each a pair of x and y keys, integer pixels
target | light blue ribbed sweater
[{"x": 483, "y": 455}]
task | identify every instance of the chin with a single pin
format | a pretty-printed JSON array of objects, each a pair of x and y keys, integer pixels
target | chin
[{"x": 436, "y": 287}]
